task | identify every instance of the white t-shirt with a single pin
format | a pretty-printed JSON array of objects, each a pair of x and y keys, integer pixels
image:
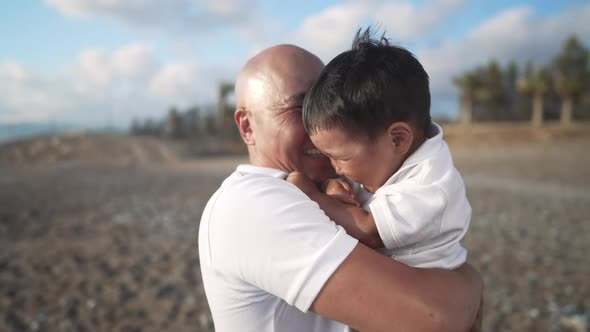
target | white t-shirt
[
  {"x": 422, "y": 212},
  {"x": 266, "y": 251}
]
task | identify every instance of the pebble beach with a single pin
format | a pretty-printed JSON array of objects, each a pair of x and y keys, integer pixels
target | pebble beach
[{"x": 88, "y": 245}]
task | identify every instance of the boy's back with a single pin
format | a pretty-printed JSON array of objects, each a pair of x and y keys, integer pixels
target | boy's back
[{"x": 422, "y": 211}]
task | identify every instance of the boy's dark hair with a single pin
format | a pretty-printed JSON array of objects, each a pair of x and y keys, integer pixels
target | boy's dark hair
[{"x": 367, "y": 88}]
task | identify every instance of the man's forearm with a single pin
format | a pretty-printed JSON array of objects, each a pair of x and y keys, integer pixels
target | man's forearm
[
  {"x": 372, "y": 292},
  {"x": 357, "y": 222},
  {"x": 477, "y": 324}
]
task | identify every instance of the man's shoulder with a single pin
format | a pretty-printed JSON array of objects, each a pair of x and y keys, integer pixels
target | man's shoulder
[
  {"x": 255, "y": 183},
  {"x": 244, "y": 193},
  {"x": 244, "y": 201}
]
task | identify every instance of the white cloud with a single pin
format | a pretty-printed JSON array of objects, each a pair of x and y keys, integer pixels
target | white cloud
[
  {"x": 26, "y": 98},
  {"x": 228, "y": 9},
  {"x": 175, "y": 82},
  {"x": 172, "y": 16},
  {"x": 331, "y": 31},
  {"x": 515, "y": 34},
  {"x": 133, "y": 81},
  {"x": 99, "y": 70},
  {"x": 103, "y": 85},
  {"x": 133, "y": 60},
  {"x": 404, "y": 20},
  {"x": 14, "y": 72}
]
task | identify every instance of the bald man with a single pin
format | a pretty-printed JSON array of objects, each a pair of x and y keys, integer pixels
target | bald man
[{"x": 271, "y": 260}]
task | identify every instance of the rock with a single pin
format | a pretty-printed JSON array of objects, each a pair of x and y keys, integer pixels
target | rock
[
  {"x": 533, "y": 313},
  {"x": 167, "y": 291},
  {"x": 575, "y": 323},
  {"x": 16, "y": 321}
]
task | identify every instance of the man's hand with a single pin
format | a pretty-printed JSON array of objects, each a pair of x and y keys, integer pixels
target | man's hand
[
  {"x": 341, "y": 190},
  {"x": 477, "y": 324},
  {"x": 304, "y": 183}
]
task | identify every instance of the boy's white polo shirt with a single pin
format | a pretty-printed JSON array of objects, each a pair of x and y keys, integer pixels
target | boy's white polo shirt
[
  {"x": 266, "y": 251},
  {"x": 422, "y": 211}
]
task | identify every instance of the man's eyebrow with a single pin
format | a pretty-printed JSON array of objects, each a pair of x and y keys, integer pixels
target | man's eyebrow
[{"x": 294, "y": 100}]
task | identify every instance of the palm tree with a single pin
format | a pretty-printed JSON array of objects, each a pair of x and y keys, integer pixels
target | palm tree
[
  {"x": 174, "y": 124},
  {"x": 510, "y": 88},
  {"x": 470, "y": 84},
  {"x": 225, "y": 89},
  {"x": 571, "y": 76},
  {"x": 224, "y": 111},
  {"x": 537, "y": 84}
]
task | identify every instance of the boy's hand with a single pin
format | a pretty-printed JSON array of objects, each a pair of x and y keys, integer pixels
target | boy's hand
[
  {"x": 341, "y": 190},
  {"x": 304, "y": 183}
]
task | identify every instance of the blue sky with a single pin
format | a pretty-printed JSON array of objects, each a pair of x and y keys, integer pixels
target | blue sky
[{"x": 89, "y": 62}]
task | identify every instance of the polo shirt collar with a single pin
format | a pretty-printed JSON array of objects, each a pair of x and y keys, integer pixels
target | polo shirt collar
[
  {"x": 430, "y": 147},
  {"x": 253, "y": 169}
]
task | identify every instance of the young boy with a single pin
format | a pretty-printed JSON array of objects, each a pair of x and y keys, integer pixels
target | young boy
[{"x": 369, "y": 112}]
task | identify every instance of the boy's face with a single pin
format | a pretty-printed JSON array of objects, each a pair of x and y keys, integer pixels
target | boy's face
[{"x": 370, "y": 163}]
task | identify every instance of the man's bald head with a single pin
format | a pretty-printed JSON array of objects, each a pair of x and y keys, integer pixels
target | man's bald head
[
  {"x": 269, "y": 99},
  {"x": 271, "y": 74}
]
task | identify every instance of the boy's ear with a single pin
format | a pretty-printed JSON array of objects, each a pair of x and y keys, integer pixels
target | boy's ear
[
  {"x": 243, "y": 120},
  {"x": 401, "y": 136}
]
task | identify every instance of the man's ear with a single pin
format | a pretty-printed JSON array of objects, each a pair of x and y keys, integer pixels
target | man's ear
[
  {"x": 401, "y": 136},
  {"x": 244, "y": 121}
]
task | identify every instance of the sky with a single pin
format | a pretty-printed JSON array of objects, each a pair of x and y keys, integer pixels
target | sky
[{"x": 93, "y": 63}]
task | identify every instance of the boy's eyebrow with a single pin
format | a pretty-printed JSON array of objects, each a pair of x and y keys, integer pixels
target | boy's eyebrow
[{"x": 326, "y": 154}]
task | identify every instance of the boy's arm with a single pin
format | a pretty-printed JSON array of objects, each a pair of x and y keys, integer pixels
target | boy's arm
[{"x": 357, "y": 222}]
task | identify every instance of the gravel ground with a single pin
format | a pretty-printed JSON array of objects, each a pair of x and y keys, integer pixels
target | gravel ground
[
  {"x": 97, "y": 247},
  {"x": 530, "y": 233}
]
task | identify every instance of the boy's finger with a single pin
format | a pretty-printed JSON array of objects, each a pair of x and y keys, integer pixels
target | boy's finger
[
  {"x": 353, "y": 199},
  {"x": 345, "y": 185},
  {"x": 347, "y": 199}
]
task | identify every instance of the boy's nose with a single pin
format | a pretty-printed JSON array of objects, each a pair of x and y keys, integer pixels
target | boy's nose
[{"x": 336, "y": 167}]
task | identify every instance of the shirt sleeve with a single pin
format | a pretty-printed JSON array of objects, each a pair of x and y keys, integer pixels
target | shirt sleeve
[
  {"x": 278, "y": 240},
  {"x": 408, "y": 213}
]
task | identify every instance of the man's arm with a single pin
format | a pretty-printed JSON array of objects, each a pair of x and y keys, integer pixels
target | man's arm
[
  {"x": 477, "y": 324},
  {"x": 371, "y": 292}
]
